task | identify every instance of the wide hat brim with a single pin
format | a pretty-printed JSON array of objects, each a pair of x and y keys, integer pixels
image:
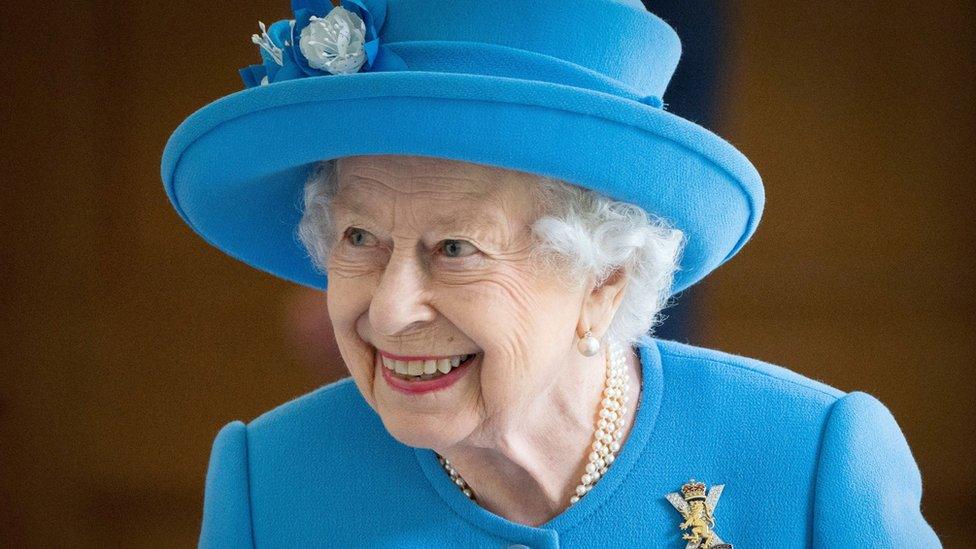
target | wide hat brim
[{"x": 236, "y": 168}]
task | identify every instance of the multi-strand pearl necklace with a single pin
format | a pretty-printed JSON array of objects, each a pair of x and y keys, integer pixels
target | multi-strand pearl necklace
[{"x": 609, "y": 428}]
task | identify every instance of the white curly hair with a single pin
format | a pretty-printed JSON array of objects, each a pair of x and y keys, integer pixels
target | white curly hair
[{"x": 581, "y": 233}]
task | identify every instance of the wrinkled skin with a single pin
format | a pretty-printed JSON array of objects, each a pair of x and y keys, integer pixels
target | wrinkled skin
[{"x": 519, "y": 424}]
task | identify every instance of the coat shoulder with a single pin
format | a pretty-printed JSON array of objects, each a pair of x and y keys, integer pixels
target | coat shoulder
[
  {"x": 742, "y": 373},
  {"x": 319, "y": 455}
]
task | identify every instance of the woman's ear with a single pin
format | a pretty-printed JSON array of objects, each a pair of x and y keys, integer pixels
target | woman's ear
[{"x": 601, "y": 304}]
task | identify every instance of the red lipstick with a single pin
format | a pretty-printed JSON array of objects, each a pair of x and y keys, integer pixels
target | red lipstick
[{"x": 424, "y": 386}]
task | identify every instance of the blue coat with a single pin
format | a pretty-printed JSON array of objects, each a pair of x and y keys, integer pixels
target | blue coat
[{"x": 802, "y": 464}]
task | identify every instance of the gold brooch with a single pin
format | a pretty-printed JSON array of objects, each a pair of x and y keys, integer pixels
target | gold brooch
[{"x": 698, "y": 510}]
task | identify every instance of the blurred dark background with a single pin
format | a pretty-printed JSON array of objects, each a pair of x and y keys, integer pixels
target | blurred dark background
[{"x": 126, "y": 341}]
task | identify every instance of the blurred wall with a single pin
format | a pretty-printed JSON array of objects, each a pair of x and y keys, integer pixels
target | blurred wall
[
  {"x": 860, "y": 116},
  {"x": 126, "y": 341}
]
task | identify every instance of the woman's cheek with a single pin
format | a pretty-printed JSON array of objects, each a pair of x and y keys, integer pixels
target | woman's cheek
[
  {"x": 359, "y": 264},
  {"x": 514, "y": 290},
  {"x": 448, "y": 274},
  {"x": 505, "y": 317}
]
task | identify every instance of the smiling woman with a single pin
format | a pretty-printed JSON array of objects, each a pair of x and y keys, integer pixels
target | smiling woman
[
  {"x": 430, "y": 259},
  {"x": 499, "y": 209}
]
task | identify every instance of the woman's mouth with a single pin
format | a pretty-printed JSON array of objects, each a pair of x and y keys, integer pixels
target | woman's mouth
[{"x": 421, "y": 376}]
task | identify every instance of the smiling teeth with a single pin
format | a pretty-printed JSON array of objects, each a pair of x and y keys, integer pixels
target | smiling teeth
[{"x": 424, "y": 368}]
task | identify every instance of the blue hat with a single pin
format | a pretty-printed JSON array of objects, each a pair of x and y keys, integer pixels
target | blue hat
[{"x": 565, "y": 88}]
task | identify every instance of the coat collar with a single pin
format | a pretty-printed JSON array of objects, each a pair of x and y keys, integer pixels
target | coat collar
[{"x": 547, "y": 535}]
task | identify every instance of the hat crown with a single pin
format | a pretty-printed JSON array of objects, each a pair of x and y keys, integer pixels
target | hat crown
[
  {"x": 570, "y": 89},
  {"x": 609, "y": 45}
]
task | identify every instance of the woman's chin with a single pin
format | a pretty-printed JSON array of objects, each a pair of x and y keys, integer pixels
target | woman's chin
[
  {"x": 425, "y": 434},
  {"x": 426, "y": 416}
]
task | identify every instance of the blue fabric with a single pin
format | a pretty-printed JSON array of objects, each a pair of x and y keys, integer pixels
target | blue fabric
[
  {"x": 803, "y": 464},
  {"x": 522, "y": 85}
]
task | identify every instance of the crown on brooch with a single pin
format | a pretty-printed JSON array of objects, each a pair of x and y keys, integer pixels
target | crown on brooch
[{"x": 693, "y": 490}]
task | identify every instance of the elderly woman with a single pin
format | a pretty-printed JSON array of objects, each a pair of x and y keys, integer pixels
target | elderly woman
[{"x": 500, "y": 209}]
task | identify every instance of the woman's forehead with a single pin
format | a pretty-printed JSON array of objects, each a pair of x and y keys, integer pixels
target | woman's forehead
[
  {"x": 438, "y": 193},
  {"x": 449, "y": 195},
  {"x": 445, "y": 211},
  {"x": 364, "y": 181},
  {"x": 423, "y": 174}
]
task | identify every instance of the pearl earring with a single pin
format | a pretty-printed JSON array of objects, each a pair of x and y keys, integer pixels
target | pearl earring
[{"x": 588, "y": 345}]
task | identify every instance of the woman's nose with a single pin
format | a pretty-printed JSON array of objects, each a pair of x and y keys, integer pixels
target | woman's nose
[{"x": 400, "y": 299}]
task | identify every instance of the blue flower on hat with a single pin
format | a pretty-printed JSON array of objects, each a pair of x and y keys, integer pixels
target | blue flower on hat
[{"x": 322, "y": 40}]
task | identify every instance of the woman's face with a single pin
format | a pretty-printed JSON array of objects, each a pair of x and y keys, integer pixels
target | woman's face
[{"x": 432, "y": 259}]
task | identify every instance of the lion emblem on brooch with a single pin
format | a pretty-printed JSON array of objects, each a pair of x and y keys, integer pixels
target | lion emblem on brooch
[{"x": 697, "y": 508}]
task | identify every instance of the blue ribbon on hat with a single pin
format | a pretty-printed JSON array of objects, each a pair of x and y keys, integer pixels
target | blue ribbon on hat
[{"x": 282, "y": 58}]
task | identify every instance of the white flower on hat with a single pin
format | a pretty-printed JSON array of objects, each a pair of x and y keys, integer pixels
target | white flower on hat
[
  {"x": 334, "y": 43},
  {"x": 267, "y": 44}
]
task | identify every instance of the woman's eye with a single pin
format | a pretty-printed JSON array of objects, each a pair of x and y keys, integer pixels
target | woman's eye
[
  {"x": 358, "y": 237},
  {"x": 456, "y": 248}
]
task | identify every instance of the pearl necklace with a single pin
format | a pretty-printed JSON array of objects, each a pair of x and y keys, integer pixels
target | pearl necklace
[{"x": 606, "y": 439}]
